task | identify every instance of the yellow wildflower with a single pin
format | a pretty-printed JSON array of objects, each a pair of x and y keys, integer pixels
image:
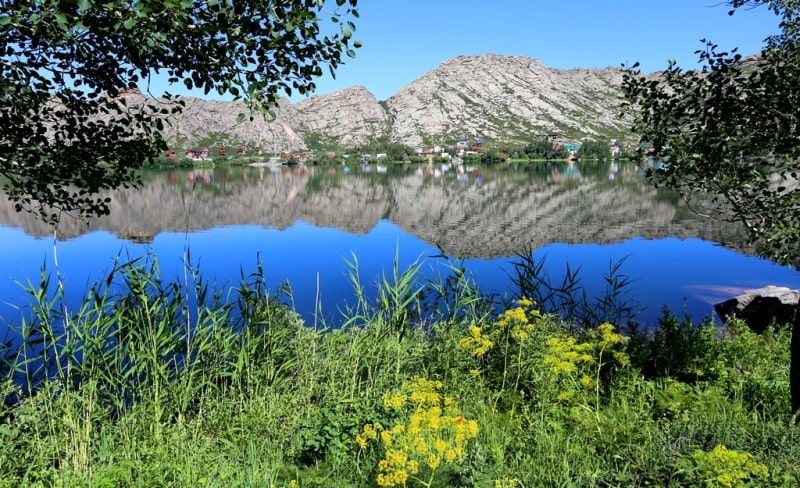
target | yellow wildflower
[
  {"x": 622, "y": 358},
  {"x": 730, "y": 468},
  {"x": 386, "y": 438},
  {"x": 434, "y": 460},
  {"x": 506, "y": 482},
  {"x": 393, "y": 401},
  {"x": 420, "y": 445},
  {"x": 369, "y": 432},
  {"x": 472, "y": 428},
  {"x": 565, "y": 396},
  {"x": 520, "y": 334},
  {"x": 430, "y": 431},
  {"x": 476, "y": 342}
]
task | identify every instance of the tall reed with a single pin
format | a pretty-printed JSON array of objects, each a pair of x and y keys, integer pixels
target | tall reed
[{"x": 569, "y": 296}]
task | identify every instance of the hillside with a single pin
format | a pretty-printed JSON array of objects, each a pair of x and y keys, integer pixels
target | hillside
[
  {"x": 505, "y": 98},
  {"x": 500, "y": 98}
]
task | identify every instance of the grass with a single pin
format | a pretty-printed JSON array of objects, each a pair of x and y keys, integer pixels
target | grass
[{"x": 150, "y": 383}]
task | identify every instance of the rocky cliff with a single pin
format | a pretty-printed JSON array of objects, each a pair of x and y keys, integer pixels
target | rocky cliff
[
  {"x": 500, "y": 98},
  {"x": 506, "y": 98},
  {"x": 347, "y": 117},
  {"x": 217, "y": 121}
]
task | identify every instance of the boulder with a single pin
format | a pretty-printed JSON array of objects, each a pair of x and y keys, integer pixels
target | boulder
[{"x": 757, "y": 308}]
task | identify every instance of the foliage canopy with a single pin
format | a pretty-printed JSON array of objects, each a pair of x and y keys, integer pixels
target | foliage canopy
[
  {"x": 67, "y": 128},
  {"x": 729, "y": 134}
]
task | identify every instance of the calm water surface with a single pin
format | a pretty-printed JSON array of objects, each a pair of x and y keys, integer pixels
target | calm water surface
[{"x": 304, "y": 225}]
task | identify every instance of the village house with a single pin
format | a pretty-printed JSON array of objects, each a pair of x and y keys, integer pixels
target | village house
[{"x": 192, "y": 154}]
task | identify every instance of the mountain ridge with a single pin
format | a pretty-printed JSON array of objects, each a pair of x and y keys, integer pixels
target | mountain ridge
[{"x": 489, "y": 96}]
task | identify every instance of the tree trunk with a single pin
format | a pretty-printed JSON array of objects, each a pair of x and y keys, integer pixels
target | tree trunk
[{"x": 794, "y": 365}]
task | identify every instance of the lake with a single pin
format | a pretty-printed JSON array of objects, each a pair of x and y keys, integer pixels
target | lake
[{"x": 303, "y": 225}]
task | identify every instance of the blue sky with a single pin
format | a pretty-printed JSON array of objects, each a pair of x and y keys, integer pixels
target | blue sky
[{"x": 402, "y": 40}]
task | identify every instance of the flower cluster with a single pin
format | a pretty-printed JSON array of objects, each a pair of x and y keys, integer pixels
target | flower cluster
[
  {"x": 515, "y": 324},
  {"x": 519, "y": 321},
  {"x": 728, "y": 468},
  {"x": 430, "y": 431},
  {"x": 579, "y": 364},
  {"x": 507, "y": 482},
  {"x": 605, "y": 338},
  {"x": 565, "y": 354},
  {"x": 476, "y": 342}
]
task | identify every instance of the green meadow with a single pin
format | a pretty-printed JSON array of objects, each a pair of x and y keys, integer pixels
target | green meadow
[{"x": 154, "y": 383}]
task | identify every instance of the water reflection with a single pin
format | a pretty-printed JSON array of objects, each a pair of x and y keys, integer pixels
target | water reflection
[
  {"x": 473, "y": 213},
  {"x": 303, "y": 223}
]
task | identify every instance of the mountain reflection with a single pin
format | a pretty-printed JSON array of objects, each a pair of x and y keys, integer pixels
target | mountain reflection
[{"x": 486, "y": 213}]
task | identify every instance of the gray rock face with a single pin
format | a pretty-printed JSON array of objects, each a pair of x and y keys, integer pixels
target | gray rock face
[
  {"x": 492, "y": 97},
  {"x": 759, "y": 307},
  {"x": 218, "y": 121},
  {"x": 347, "y": 117},
  {"x": 505, "y": 98}
]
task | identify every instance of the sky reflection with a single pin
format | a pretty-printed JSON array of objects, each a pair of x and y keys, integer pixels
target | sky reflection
[{"x": 682, "y": 274}]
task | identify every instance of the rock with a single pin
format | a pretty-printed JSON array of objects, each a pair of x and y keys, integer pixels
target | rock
[
  {"x": 492, "y": 97},
  {"x": 757, "y": 308},
  {"x": 350, "y": 117},
  {"x": 506, "y": 98}
]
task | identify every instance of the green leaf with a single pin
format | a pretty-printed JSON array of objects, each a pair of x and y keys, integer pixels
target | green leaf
[{"x": 61, "y": 20}]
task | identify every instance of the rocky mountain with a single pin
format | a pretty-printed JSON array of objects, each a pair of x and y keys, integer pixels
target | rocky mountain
[
  {"x": 347, "y": 117},
  {"x": 217, "y": 123},
  {"x": 501, "y": 98},
  {"x": 493, "y": 97}
]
